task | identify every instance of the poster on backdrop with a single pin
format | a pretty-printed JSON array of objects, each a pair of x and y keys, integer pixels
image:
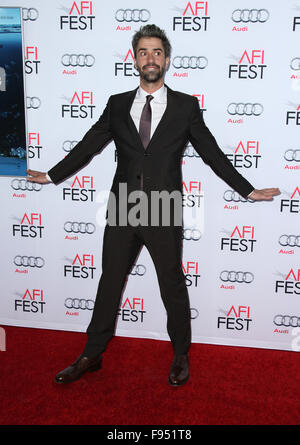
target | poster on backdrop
[{"x": 13, "y": 150}]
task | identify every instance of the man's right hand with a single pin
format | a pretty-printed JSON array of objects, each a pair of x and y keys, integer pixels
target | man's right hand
[{"x": 35, "y": 176}]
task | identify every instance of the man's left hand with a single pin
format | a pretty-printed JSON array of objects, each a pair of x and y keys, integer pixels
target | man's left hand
[{"x": 264, "y": 194}]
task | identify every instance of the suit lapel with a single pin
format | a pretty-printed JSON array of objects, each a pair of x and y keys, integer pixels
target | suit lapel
[
  {"x": 165, "y": 120},
  {"x": 131, "y": 124}
]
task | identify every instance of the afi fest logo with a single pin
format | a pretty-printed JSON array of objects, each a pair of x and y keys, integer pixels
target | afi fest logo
[
  {"x": 293, "y": 117},
  {"x": 31, "y": 60},
  {"x": 79, "y": 17},
  {"x": 237, "y": 318},
  {"x": 290, "y": 284},
  {"x": 80, "y": 106},
  {"x": 34, "y": 145},
  {"x": 30, "y": 226},
  {"x": 126, "y": 67},
  {"x": 132, "y": 309},
  {"x": 240, "y": 240},
  {"x": 82, "y": 266},
  {"x": 250, "y": 65},
  {"x": 291, "y": 205},
  {"x": 246, "y": 154},
  {"x": 201, "y": 100},
  {"x": 296, "y": 24},
  {"x": 193, "y": 207},
  {"x": 31, "y": 301},
  {"x": 82, "y": 189},
  {"x": 191, "y": 194},
  {"x": 194, "y": 17},
  {"x": 191, "y": 272}
]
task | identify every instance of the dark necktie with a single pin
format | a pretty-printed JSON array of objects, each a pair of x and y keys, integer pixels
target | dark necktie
[{"x": 145, "y": 122}]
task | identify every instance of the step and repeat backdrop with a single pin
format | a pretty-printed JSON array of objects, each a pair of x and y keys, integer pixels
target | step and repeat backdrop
[{"x": 241, "y": 59}]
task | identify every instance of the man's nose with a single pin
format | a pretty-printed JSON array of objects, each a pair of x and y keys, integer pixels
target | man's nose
[{"x": 150, "y": 58}]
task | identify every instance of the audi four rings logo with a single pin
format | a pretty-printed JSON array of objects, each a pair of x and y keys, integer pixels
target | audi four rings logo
[
  {"x": 78, "y": 60},
  {"x": 79, "y": 227},
  {"x": 191, "y": 234},
  {"x": 231, "y": 195},
  {"x": 22, "y": 184},
  {"x": 247, "y": 109},
  {"x": 138, "y": 269},
  {"x": 289, "y": 240},
  {"x": 33, "y": 102},
  {"x": 79, "y": 303},
  {"x": 192, "y": 62},
  {"x": 295, "y": 64},
  {"x": 69, "y": 145},
  {"x": 194, "y": 313},
  {"x": 190, "y": 152},
  {"x": 250, "y": 15},
  {"x": 30, "y": 14},
  {"x": 287, "y": 320},
  {"x": 29, "y": 261},
  {"x": 236, "y": 277},
  {"x": 292, "y": 155},
  {"x": 132, "y": 15}
]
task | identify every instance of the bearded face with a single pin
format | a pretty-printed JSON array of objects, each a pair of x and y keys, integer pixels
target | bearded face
[{"x": 150, "y": 61}]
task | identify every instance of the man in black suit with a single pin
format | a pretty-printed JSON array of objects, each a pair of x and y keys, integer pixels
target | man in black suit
[{"x": 150, "y": 126}]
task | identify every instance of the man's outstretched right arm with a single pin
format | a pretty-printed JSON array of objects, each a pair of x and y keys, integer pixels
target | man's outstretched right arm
[{"x": 93, "y": 141}]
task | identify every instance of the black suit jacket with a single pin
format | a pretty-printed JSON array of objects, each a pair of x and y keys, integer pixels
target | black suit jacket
[{"x": 159, "y": 166}]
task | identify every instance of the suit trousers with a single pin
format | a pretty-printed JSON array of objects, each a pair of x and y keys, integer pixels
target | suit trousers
[{"x": 121, "y": 246}]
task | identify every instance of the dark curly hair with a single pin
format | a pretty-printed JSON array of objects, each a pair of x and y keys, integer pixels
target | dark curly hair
[{"x": 151, "y": 31}]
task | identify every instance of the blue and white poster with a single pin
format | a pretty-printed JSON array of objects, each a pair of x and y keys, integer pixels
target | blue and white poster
[{"x": 13, "y": 150}]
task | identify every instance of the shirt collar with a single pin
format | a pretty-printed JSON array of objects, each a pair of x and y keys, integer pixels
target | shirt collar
[{"x": 159, "y": 96}]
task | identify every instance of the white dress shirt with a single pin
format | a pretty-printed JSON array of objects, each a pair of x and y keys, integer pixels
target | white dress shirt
[{"x": 158, "y": 107}]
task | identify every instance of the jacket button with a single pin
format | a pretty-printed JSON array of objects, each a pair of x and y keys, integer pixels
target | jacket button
[{"x": 138, "y": 176}]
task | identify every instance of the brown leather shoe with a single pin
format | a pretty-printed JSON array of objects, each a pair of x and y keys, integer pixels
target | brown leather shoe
[
  {"x": 179, "y": 372},
  {"x": 78, "y": 368}
]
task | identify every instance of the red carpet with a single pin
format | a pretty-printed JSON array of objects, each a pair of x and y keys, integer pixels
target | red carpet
[{"x": 228, "y": 385}]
